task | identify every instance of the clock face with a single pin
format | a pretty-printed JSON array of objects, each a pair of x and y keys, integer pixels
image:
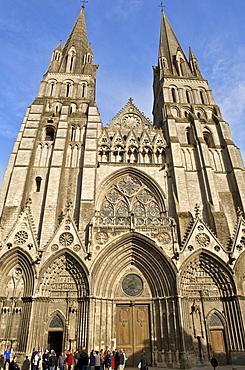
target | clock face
[
  {"x": 131, "y": 120},
  {"x": 132, "y": 285}
]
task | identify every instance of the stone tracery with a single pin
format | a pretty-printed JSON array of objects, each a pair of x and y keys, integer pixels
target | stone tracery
[{"x": 129, "y": 196}]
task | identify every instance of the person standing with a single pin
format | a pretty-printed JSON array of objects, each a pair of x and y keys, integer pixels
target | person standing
[
  {"x": 108, "y": 360},
  {"x": 52, "y": 361},
  {"x": 26, "y": 364},
  {"x": 45, "y": 360},
  {"x": 83, "y": 360},
  {"x": 61, "y": 361},
  {"x": 37, "y": 359},
  {"x": 92, "y": 361},
  {"x": 97, "y": 361},
  {"x": 143, "y": 360},
  {"x": 69, "y": 359},
  {"x": 13, "y": 364},
  {"x": 121, "y": 358},
  {"x": 7, "y": 354}
]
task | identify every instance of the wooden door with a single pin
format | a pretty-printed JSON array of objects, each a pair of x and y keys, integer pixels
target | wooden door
[
  {"x": 218, "y": 346},
  {"x": 133, "y": 331}
]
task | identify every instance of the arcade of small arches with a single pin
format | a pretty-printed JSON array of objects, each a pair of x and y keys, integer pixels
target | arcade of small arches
[
  {"x": 67, "y": 89},
  {"x": 188, "y": 95},
  {"x": 54, "y": 108}
]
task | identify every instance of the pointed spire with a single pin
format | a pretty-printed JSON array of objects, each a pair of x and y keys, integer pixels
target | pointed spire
[
  {"x": 194, "y": 64},
  {"x": 76, "y": 47},
  {"x": 172, "y": 59}
]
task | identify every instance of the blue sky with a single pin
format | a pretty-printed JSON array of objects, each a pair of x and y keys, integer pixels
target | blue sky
[{"x": 125, "y": 38}]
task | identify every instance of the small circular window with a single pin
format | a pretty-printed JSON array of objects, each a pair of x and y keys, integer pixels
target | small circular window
[
  {"x": 132, "y": 285},
  {"x": 66, "y": 239},
  {"x": 20, "y": 237}
]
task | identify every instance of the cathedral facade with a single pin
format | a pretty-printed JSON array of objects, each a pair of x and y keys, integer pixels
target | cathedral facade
[{"x": 128, "y": 236}]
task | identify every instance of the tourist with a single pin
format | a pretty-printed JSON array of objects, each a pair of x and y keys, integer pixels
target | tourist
[
  {"x": 61, "y": 361},
  {"x": 97, "y": 361},
  {"x": 7, "y": 354},
  {"x": 36, "y": 360},
  {"x": 108, "y": 360},
  {"x": 121, "y": 362},
  {"x": 83, "y": 360},
  {"x": 69, "y": 359},
  {"x": 26, "y": 364},
  {"x": 13, "y": 364},
  {"x": 52, "y": 360},
  {"x": 92, "y": 360},
  {"x": 45, "y": 360},
  {"x": 143, "y": 361}
]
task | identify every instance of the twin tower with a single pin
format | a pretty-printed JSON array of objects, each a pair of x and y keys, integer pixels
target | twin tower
[{"x": 128, "y": 236}]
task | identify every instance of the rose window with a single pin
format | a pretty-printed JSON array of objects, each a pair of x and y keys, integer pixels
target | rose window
[
  {"x": 20, "y": 237},
  {"x": 66, "y": 239}
]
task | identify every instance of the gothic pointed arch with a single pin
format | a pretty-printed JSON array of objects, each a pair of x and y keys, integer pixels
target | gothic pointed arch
[
  {"x": 17, "y": 276},
  {"x": 215, "y": 319},
  {"x": 63, "y": 272},
  {"x": 218, "y": 279},
  {"x": 56, "y": 321},
  {"x": 133, "y": 249},
  {"x": 130, "y": 191},
  {"x": 17, "y": 273}
]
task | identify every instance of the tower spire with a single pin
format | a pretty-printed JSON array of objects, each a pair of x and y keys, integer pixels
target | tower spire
[
  {"x": 172, "y": 59},
  {"x": 74, "y": 54}
]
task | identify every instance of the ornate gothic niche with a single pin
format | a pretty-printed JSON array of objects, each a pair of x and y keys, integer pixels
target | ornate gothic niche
[
  {"x": 204, "y": 274},
  {"x": 63, "y": 278},
  {"x": 128, "y": 196}
]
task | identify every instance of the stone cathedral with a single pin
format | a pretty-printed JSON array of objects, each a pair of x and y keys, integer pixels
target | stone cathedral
[{"x": 128, "y": 236}]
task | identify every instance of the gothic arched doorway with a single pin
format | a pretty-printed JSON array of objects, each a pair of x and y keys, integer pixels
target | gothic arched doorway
[
  {"x": 217, "y": 339},
  {"x": 55, "y": 335},
  {"x": 134, "y": 284},
  {"x": 64, "y": 284}
]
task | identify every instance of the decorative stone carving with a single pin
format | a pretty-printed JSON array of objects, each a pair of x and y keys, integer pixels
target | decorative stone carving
[
  {"x": 101, "y": 237},
  {"x": 66, "y": 239},
  {"x": 77, "y": 248},
  {"x": 54, "y": 247},
  {"x": 203, "y": 239},
  {"x": 20, "y": 237},
  {"x": 17, "y": 273},
  {"x": 131, "y": 120},
  {"x": 164, "y": 238}
]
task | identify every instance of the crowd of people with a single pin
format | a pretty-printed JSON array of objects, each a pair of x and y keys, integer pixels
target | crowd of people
[{"x": 80, "y": 360}]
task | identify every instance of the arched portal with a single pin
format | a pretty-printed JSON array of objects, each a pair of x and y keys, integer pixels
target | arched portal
[
  {"x": 135, "y": 288},
  {"x": 206, "y": 284},
  {"x": 56, "y": 334},
  {"x": 16, "y": 288},
  {"x": 63, "y": 284},
  {"x": 217, "y": 333}
]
